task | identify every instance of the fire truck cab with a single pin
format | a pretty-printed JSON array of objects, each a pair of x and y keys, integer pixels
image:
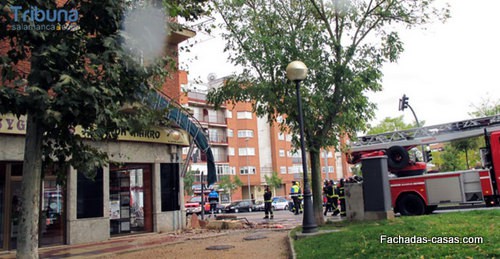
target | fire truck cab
[{"x": 414, "y": 191}]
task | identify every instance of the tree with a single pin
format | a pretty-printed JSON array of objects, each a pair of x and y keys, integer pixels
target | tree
[
  {"x": 273, "y": 181},
  {"x": 389, "y": 124},
  {"x": 188, "y": 182},
  {"x": 450, "y": 159},
  {"x": 60, "y": 79},
  {"x": 487, "y": 107},
  {"x": 465, "y": 145},
  {"x": 344, "y": 45},
  {"x": 229, "y": 185}
]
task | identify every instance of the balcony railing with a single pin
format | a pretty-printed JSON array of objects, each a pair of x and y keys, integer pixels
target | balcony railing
[
  {"x": 218, "y": 119},
  {"x": 218, "y": 138}
]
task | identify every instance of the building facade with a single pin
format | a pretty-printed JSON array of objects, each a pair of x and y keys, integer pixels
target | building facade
[
  {"x": 248, "y": 147},
  {"x": 137, "y": 193}
]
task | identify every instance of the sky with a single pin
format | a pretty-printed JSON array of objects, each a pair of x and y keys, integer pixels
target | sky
[{"x": 444, "y": 70}]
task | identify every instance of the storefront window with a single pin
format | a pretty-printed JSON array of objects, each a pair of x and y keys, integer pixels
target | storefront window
[
  {"x": 89, "y": 196},
  {"x": 169, "y": 187}
]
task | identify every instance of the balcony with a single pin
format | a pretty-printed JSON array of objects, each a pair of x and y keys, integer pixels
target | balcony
[{"x": 218, "y": 138}]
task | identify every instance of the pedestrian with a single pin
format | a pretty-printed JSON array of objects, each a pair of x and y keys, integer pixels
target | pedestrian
[
  {"x": 213, "y": 198},
  {"x": 268, "y": 202},
  {"x": 294, "y": 192}
]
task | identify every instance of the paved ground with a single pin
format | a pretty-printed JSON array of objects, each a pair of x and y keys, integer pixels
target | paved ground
[{"x": 265, "y": 239}]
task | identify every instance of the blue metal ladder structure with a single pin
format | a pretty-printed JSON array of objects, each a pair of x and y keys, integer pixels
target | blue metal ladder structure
[{"x": 181, "y": 117}]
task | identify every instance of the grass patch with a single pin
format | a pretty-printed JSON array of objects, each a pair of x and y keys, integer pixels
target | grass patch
[{"x": 363, "y": 239}]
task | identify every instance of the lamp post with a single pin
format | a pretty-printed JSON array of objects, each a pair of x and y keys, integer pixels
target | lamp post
[
  {"x": 248, "y": 170},
  {"x": 296, "y": 71},
  {"x": 202, "y": 197}
]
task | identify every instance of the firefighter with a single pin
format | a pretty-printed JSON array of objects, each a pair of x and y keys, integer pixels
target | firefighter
[
  {"x": 301, "y": 198},
  {"x": 332, "y": 195},
  {"x": 342, "y": 197},
  {"x": 268, "y": 200},
  {"x": 294, "y": 192},
  {"x": 325, "y": 185}
]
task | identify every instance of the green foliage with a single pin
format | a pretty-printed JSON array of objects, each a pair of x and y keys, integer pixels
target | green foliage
[
  {"x": 229, "y": 185},
  {"x": 188, "y": 182},
  {"x": 389, "y": 124},
  {"x": 465, "y": 145},
  {"x": 487, "y": 107},
  {"x": 274, "y": 181},
  {"x": 363, "y": 239},
  {"x": 264, "y": 36}
]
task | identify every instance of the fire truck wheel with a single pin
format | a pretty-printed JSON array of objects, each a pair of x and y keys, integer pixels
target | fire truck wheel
[
  {"x": 411, "y": 205},
  {"x": 397, "y": 157}
]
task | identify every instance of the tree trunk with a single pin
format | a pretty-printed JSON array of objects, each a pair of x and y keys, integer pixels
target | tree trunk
[
  {"x": 316, "y": 187},
  {"x": 27, "y": 239}
]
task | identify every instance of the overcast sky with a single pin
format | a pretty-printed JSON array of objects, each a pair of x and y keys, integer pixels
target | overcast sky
[{"x": 443, "y": 69}]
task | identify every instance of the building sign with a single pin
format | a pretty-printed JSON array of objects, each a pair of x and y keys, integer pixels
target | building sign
[{"x": 10, "y": 124}]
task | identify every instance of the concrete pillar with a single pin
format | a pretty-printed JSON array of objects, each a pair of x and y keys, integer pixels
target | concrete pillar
[
  {"x": 376, "y": 188},
  {"x": 354, "y": 201}
]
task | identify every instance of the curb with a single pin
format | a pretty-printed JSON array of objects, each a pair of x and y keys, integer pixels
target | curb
[{"x": 291, "y": 250}]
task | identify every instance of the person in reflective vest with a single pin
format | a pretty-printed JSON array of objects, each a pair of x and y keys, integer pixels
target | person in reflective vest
[
  {"x": 268, "y": 202},
  {"x": 294, "y": 192},
  {"x": 342, "y": 198},
  {"x": 301, "y": 198},
  {"x": 332, "y": 199},
  {"x": 213, "y": 198}
]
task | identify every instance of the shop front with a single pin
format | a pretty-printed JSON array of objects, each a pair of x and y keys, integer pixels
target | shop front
[{"x": 139, "y": 192}]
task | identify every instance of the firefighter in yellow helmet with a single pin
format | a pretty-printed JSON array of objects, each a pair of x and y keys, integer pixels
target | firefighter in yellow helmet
[{"x": 294, "y": 193}]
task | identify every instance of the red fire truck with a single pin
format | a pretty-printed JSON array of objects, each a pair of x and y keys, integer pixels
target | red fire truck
[{"x": 415, "y": 191}]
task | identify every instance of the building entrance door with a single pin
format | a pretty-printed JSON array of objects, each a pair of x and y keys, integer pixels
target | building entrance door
[{"x": 130, "y": 199}]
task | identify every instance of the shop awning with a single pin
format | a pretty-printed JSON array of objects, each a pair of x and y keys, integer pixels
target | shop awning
[{"x": 182, "y": 119}]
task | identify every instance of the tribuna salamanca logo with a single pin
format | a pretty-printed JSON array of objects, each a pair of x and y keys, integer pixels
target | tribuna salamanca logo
[{"x": 44, "y": 20}]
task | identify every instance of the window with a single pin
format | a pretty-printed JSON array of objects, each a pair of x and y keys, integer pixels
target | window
[
  {"x": 244, "y": 115},
  {"x": 282, "y": 153},
  {"x": 230, "y": 151},
  {"x": 230, "y": 133},
  {"x": 169, "y": 184},
  {"x": 229, "y": 114},
  {"x": 246, "y": 151},
  {"x": 245, "y": 133},
  {"x": 279, "y": 119},
  {"x": 89, "y": 195},
  {"x": 232, "y": 170},
  {"x": 288, "y": 137},
  {"x": 329, "y": 155},
  {"x": 283, "y": 169},
  {"x": 185, "y": 150},
  {"x": 281, "y": 136},
  {"x": 247, "y": 170}
]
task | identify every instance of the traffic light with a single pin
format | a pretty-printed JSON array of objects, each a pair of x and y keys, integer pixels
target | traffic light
[
  {"x": 403, "y": 102},
  {"x": 428, "y": 156}
]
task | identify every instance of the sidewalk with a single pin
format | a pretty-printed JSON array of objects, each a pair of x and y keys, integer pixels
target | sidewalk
[
  {"x": 188, "y": 244},
  {"x": 115, "y": 246},
  {"x": 269, "y": 241}
]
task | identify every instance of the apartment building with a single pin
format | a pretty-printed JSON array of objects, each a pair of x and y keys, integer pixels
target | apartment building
[{"x": 248, "y": 147}]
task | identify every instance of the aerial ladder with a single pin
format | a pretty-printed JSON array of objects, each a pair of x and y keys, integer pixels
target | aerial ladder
[{"x": 415, "y": 192}]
